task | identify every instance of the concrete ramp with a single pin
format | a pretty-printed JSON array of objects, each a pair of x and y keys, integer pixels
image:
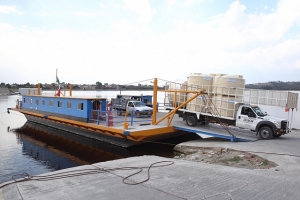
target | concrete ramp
[{"x": 214, "y": 130}]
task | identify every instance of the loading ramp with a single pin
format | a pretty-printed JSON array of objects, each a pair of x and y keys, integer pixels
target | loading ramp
[{"x": 217, "y": 131}]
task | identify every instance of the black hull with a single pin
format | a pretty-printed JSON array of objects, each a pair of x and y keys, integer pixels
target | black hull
[{"x": 121, "y": 142}]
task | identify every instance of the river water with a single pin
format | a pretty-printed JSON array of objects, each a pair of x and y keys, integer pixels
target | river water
[{"x": 37, "y": 150}]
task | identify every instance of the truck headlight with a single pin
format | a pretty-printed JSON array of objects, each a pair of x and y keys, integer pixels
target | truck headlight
[{"x": 277, "y": 124}]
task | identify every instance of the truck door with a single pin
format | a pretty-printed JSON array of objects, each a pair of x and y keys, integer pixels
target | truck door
[
  {"x": 252, "y": 120},
  {"x": 130, "y": 106},
  {"x": 242, "y": 119}
]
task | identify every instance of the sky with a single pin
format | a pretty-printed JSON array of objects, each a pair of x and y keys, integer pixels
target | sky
[{"x": 126, "y": 41}]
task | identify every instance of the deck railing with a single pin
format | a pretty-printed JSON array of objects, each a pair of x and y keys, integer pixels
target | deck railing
[{"x": 110, "y": 118}]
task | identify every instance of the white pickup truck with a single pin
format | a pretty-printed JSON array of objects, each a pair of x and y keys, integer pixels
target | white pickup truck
[
  {"x": 138, "y": 108},
  {"x": 246, "y": 116}
]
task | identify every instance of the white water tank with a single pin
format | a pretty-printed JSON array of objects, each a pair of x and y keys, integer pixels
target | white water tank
[
  {"x": 179, "y": 96},
  {"x": 182, "y": 96},
  {"x": 224, "y": 105},
  {"x": 230, "y": 85},
  {"x": 199, "y": 81},
  {"x": 199, "y": 104}
]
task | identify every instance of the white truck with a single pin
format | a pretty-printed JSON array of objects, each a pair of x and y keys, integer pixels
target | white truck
[
  {"x": 138, "y": 108},
  {"x": 239, "y": 109},
  {"x": 247, "y": 117}
]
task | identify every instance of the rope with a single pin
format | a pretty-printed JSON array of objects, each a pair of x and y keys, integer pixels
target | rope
[
  {"x": 151, "y": 79},
  {"x": 215, "y": 113},
  {"x": 26, "y": 177}
]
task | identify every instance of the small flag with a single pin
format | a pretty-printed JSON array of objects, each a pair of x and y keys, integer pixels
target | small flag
[{"x": 57, "y": 80}]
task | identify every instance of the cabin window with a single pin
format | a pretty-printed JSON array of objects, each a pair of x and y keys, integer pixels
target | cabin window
[
  {"x": 69, "y": 105},
  {"x": 80, "y": 106},
  {"x": 43, "y": 102},
  {"x": 24, "y": 100},
  {"x": 30, "y": 101},
  {"x": 51, "y": 103},
  {"x": 59, "y": 104},
  {"x": 245, "y": 111},
  {"x": 37, "y": 102}
]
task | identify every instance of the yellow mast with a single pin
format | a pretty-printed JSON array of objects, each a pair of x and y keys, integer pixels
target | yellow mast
[
  {"x": 154, "y": 101},
  {"x": 39, "y": 89},
  {"x": 55, "y": 83}
]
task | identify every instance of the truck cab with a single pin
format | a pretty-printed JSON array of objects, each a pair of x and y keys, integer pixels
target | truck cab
[
  {"x": 147, "y": 99},
  {"x": 255, "y": 119},
  {"x": 139, "y": 108}
]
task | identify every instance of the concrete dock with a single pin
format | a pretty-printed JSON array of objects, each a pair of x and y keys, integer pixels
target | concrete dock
[{"x": 178, "y": 179}]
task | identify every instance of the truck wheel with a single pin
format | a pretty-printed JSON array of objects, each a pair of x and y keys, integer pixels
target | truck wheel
[
  {"x": 191, "y": 120},
  {"x": 265, "y": 133}
]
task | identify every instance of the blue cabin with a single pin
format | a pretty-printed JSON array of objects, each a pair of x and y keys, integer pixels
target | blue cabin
[{"x": 74, "y": 108}]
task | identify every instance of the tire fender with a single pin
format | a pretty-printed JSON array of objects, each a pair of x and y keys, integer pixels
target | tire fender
[{"x": 265, "y": 123}]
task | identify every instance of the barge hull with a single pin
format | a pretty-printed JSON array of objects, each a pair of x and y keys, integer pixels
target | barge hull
[
  {"x": 96, "y": 135},
  {"x": 115, "y": 135}
]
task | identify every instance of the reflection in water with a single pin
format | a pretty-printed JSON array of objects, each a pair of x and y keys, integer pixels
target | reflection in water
[{"x": 63, "y": 150}]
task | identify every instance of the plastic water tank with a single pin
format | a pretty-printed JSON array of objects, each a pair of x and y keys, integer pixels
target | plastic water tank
[
  {"x": 182, "y": 96},
  {"x": 230, "y": 85},
  {"x": 179, "y": 96},
  {"x": 199, "y": 82},
  {"x": 199, "y": 104},
  {"x": 224, "y": 105}
]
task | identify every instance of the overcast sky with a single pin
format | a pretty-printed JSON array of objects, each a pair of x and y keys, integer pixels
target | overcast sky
[{"x": 123, "y": 41}]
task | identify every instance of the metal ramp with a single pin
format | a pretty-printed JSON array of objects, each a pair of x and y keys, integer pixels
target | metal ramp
[{"x": 215, "y": 130}]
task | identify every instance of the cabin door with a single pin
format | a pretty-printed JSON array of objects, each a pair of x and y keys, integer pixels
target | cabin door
[{"x": 96, "y": 105}]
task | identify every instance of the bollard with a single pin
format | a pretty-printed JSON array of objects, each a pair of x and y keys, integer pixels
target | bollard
[{"x": 125, "y": 125}]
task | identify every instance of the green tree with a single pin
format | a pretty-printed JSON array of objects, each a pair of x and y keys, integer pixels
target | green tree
[{"x": 98, "y": 85}]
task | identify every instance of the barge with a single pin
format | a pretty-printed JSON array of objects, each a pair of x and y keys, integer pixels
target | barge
[{"x": 92, "y": 117}]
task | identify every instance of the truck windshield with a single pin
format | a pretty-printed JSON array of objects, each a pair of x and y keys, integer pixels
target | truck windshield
[
  {"x": 259, "y": 111},
  {"x": 138, "y": 104}
]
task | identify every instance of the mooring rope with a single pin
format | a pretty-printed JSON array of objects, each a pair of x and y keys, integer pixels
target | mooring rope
[{"x": 72, "y": 173}]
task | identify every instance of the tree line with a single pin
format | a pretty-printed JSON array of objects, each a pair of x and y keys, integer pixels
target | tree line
[
  {"x": 272, "y": 85},
  {"x": 275, "y": 85},
  {"x": 97, "y": 86}
]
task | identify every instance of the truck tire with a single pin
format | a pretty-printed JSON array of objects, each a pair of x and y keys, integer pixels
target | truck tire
[
  {"x": 191, "y": 120},
  {"x": 265, "y": 133}
]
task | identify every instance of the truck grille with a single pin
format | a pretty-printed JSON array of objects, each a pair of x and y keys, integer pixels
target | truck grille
[{"x": 283, "y": 124}]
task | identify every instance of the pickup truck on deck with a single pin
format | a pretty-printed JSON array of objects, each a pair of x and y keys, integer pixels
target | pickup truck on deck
[
  {"x": 146, "y": 99},
  {"x": 139, "y": 108}
]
